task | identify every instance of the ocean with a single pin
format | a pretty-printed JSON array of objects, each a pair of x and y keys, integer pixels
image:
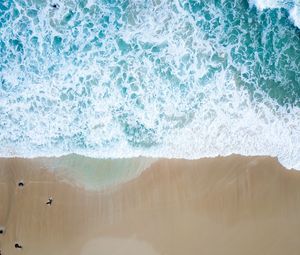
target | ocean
[{"x": 176, "y": 79}]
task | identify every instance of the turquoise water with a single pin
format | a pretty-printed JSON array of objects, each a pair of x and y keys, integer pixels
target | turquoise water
[
  {"x": 111, "y": 79},
  {"x": 95, "y": 174}
]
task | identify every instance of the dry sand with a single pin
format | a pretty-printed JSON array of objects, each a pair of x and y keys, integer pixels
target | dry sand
[{"x": 234, "y": 205}]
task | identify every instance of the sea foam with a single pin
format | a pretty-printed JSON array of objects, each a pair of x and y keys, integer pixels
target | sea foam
[
  {"x": 115, "y": 79},
  {"x": 293, "y": 7}
]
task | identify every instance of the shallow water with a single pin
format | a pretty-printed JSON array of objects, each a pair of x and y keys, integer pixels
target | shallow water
[
  {"x": 110, "y": 79},
  {"x": 93, "y": 173}
]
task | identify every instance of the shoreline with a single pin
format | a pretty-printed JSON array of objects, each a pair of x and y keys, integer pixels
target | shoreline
[
  {"x": 232, "y": 205},
  {"x": 54, "y": 157},
  {"x": 99, "y": 173}
]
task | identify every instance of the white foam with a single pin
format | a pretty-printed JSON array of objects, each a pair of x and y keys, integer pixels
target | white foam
[
  {"x": 293, "y": 6},
  {"x": 226, "y": 122},
  {"x": 178, "y": 110},
  {"x": 265, "y": 4},
  {"x": 295, "y": 15}
]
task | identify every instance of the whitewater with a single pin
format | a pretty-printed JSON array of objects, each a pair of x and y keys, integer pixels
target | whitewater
[
  {"x": 292, "y": 6},
  {"x": 176, "y": 79}
]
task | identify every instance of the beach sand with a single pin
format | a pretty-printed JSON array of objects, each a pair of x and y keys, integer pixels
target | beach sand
[{"x": 233, "y": 205}]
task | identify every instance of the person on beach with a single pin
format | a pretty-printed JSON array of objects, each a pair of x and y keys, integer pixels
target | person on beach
[
  {"x": 18, "y": 246},
  {"x": 49, "y": 202}
]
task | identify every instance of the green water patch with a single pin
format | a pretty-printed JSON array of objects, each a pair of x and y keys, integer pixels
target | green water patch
[{"x": 96, "y": 174}]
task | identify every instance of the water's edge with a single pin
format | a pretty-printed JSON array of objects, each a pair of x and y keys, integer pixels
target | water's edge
[
  {"x": 100, "y": 174},
  {"x": 93, "y": 173}
]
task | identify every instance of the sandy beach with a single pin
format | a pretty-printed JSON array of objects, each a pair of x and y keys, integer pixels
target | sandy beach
[
  {"x": 233, "y": 205},
  {"x": 123, "y": 125}
]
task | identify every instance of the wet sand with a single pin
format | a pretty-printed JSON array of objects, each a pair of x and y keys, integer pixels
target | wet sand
[{"x": 233, "y": 205}]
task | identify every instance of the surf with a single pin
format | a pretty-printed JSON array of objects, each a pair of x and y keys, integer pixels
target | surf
[{"x": 176, "y": 79}]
